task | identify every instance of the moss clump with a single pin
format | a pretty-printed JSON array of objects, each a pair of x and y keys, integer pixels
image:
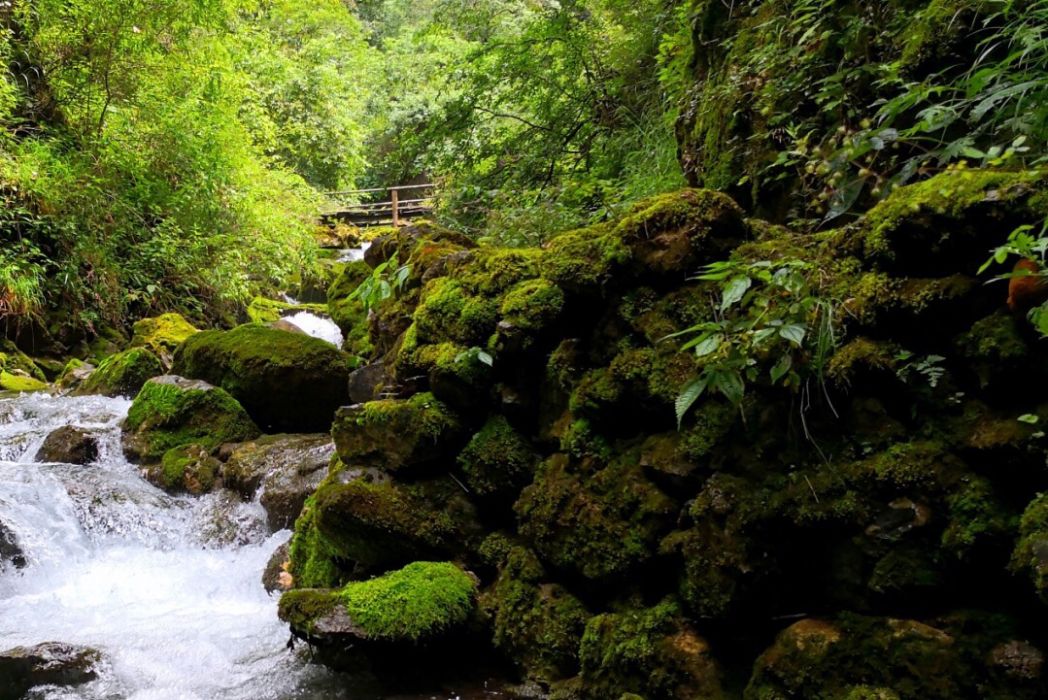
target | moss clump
[
  {"x": 262, "y": 310},
  {"x": 19, "y": 382},
  {"x": 1031, "y": 550},
  {"x": 189, "y": 468},
  {"x": 287, "y": 381},
  {"x": 19, "y": 366},
  {"x": 584, "y": 261},
  {"x": 302, "y": 608},
  {"x": 498, "y": 461},
  {"x": 170, "y": 412},
  {"x": 420, "y": 601},
  {"x": 162, "y": 334},
  {"x": 862, "y": 358},
  {"x": 527, "y": 312},
  {"x": 395, "y": 433},
  {"x": 647, "y": 651},
  {"x": 447, "y": 311},
  {"x": 536, "y": 623},
  {"x": 601, "y": 524},
  {"x": 122, "y": 374},
  {"x": 349, "y": 314}
]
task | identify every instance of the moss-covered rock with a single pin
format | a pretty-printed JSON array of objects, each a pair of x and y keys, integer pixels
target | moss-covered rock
[
  {"x": 19, "y": 382},
  {"x": 263, "y": 310},
  {"x": 18, "y": 372},
  {"x": 601, "y": 524},
  {"x": 162, "y": 335},
  {"x": 187, "y": 468},
  {"x": 396, "y": 434},
  {"x": 537, "y": 623},
  {"x": 649, "y": 651},
  {"x": 498, "y": 461},
  {"x": 286, "y": 381},
  {"x": 171, "y": 411},
  {"x": 1030, "y": 556},
  {"x": 122, "y": 374},
  {"x": 349, "y": 314},
  {"x": 846, "y": 656},
  {"x": 418, "y": 604},
  {"x": 353, "y": 523}
]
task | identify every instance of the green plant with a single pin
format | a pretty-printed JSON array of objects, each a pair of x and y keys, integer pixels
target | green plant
[
  {"x": 386, "y": 280},
  {"x": 1027, "y": 243},
  {"x": 768, "y": 311}
]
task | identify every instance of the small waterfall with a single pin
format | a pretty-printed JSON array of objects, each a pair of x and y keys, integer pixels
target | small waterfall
[{"x": 168, "y": 588}]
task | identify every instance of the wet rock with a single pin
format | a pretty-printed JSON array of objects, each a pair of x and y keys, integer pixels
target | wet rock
[
  {"x": 1018, "y": 658},
  {"x": 69, "y": 445},
  {"x": 74, "y": 374},
  {"x": 275, "y": 576},
  {"x": 282, "y": 325},
  {"x": 369, "y": 382},
  {"x": 122, "y": 374},
  {"x": 50, "y": 663},
  {"x": 172, "y": 411},
  {"x": 285, "y": 381},
  {"x": 11, "y": 553},
  {"x": 901, "y": 516},
  {"x": 248, "y": 464}
]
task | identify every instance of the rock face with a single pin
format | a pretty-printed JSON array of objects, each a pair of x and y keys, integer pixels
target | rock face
[
  {"x": 532, "y": 437},
  {"x": 288, "y": 468},
  {"x": 286, "y": 381},
  {"x": 70, "y": 445},
  {"x": 185, "y": 469},
  {"x": 51, "y": 663},
  {"x": 172, "y": 411},
  {"x": 122, "y": 374}
]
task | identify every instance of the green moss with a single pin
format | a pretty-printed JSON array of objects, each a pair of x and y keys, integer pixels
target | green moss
[
  {"x": 494, "y": 272},
  {"x": 168, "y": 414},
  {"x": 380, "y": 524},
  {"x": 647, "y": 651},
  {"x": 600, "y": 525},
  {"x": 447, "y": 311},
  {"x": 313, "y": 560},
  {"x": 262, "y": 310},
  {"x": 976, "y": 517},
  {"x": 527, "y": 311},
  {"x": 862, "y": 357},
  {"x": 580, "y": 441},
  {"x": 536, "y": 623},
  {"x": 18, "y": 382},
  {"x": 186, "y": 468},
  {"x": 162, "y": 334},
  {"x": 395, "y": 433},
  {"x": 498, "y": 461},
  {"x": 303, "y": 608},
  {"x": 17, "y": 363},
  {"x": 419, "y": 601},
  {"x": 1030, "y": 556},
  {"x": 584, "y": 261},
  {"x": 123, "y": 374}
]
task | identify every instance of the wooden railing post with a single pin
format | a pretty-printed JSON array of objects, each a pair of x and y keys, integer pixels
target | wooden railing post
[{"x": 395, "y": 201}]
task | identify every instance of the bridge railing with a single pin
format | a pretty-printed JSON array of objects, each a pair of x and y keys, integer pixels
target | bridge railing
[{"x": 389, "y": 210}]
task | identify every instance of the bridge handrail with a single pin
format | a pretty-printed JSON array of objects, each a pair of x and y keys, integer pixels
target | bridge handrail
[{"x": 393, "y": 205}]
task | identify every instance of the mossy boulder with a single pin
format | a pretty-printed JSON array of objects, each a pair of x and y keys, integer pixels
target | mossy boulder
[
  {"x": 650, "y": 651},
  {"x": 18, "y": 372},
  {"x": 1030, "y": 556},
  {"x": 498, "y": 461},
  {"x": 10, "y": 381},
  {"x": 418, "y": 603},
  {"x": 162, "y": 335},
  {"x": 73, "y": 374},
  {"x": 262, "y": 310},
  {"x": 172, "y": 411},
  {"x": 374, "y": 524},
  {"x": 122, "y": 374},
  {"x": 285, "y": 381},
  {"x": 601, "y": 523},
  {"x": 186, "y": 469},
  {"x": 851, "y": 655},
  {"x": 537, "y": 623},
  {"x": 396, "y": 434}
]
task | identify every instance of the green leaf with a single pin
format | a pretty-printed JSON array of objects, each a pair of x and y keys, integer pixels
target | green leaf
[
  {"x": 781, "y": 368},
  {"x": 1028, "y": 418},
  {"x": 734, "y": 291},
  {"x": 485, "y": 358},
  {"x": 708, "y": 344},
  {"x": 794, "y": 333},
  {"x": 687, "y": 397}
]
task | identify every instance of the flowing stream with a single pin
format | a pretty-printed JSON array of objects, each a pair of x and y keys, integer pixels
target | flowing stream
[{"x": 167, "y": 588}]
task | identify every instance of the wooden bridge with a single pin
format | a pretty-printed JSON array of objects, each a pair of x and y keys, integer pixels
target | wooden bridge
[{"x": 380, "y": 206}]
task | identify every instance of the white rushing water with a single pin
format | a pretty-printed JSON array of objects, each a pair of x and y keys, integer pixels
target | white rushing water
[
  {"x": 167, "y": 588},
  {"x": 317, "y": 326}
]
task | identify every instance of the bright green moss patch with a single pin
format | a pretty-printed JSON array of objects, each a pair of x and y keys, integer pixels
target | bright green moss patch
[
  {"x": 17, "y": 363},
  {"x": 421, "y": 600},
  {"x": 313, "y": 558},
  {"x": 122, "y": 374},
  {"x": 18, "y": 382},
  {"x": 262, "y": 310},
  {"x": 301, "y": 608},
  {"x": 162, "y": 334},
  {"x": 1030, "y": 556},
  {"x": 187, "y": 468},
  {"x": 584, "y": 261}
]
